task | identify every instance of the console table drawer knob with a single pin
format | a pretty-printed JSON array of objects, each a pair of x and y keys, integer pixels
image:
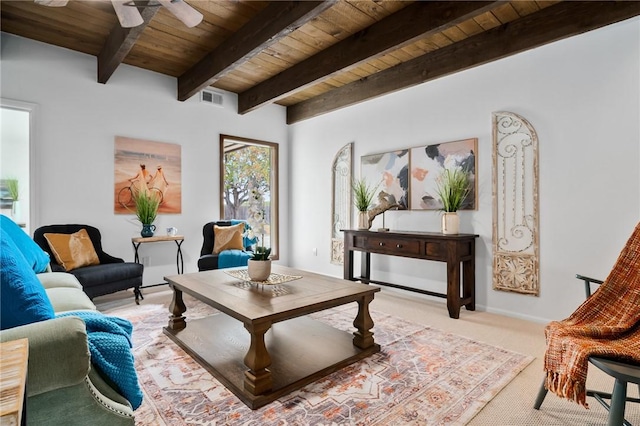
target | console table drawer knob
[
  {"x": 398, "y": 245},
  {"x": 381, "y": 244}
]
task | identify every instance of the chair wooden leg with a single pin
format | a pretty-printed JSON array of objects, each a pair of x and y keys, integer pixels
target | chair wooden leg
[
  {"x": 618, "y": 400},
  {"x": 542, "y": 393}
]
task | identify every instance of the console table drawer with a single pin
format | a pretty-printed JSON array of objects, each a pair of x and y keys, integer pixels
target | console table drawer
[{"x": 389, "y": 245}]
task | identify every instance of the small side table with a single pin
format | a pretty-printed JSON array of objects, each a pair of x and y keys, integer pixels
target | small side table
[
  {"x": 14, "y": 357},
  {"x": 179, "y": 239},
  {"x": 136, "y": 241}
]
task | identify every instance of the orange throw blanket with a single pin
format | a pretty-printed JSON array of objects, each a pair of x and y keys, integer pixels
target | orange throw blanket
[{"x": 607, "y": 325}]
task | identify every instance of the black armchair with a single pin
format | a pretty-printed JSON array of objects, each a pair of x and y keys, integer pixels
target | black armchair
[
  {"x": 111, "y": 275},
  {"x": 208, "y": 260}
]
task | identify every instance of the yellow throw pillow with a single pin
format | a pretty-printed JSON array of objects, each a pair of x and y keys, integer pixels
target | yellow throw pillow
[
  {"x": 228, "y": 238},
  {"x": 73, "y": 250}
]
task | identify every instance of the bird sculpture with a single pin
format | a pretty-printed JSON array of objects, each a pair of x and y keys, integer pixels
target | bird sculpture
[{"x": 385, "y": 202}]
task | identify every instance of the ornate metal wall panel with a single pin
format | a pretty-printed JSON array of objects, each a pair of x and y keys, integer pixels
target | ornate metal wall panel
[
  {"x": 515, "y": 204},
  {"x": 341, "y": 201}
]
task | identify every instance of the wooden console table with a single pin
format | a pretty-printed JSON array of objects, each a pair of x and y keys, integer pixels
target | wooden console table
[{"x": 453, "y": 249}]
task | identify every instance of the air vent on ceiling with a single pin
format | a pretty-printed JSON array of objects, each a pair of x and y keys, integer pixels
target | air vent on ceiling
[{"x": 211, "y": 97}]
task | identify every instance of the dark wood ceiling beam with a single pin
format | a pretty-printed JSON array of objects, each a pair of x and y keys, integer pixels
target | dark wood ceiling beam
[
  {"x": 551, "y": 24},
  {"x": 277, "y": 20},
  {"x": 418, "y": 20},
  {"x": 120, "y": 42}
]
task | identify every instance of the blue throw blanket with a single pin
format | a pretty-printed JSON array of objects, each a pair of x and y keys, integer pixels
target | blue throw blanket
[
  {"x": 233, "y": 258},
  {"x": 110, "y": 347}
]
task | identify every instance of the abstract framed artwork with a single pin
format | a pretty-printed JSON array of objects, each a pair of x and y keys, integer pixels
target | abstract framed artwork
[
  {"x": 428, "y": 162},
  {"x": 152, "y": 166},
  {"x": 389, "y": 172}
]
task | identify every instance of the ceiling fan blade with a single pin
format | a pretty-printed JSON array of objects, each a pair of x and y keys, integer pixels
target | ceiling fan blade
[
  {"x": 181, "y": 10},
  {"x": 52, "y": 3},
  {"x": 129, "y": 16}
]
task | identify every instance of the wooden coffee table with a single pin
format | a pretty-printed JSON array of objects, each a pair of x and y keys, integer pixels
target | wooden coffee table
[{"x": 264, "y": 345}]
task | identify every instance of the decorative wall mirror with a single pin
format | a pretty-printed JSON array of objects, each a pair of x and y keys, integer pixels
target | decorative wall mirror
[
  {"x": 247, "y": 164},
  {"x": 515, "y": 205},
  {"x": 340, "y": 201}
]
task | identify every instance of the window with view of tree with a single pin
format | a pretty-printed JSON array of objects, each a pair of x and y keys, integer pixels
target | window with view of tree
[{"x": 246, "y": 165}]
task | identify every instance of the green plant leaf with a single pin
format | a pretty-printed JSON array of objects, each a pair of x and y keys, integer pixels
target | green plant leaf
[
  {"x": 261, "y": 253},
  {"x": 363, "y": 194},
  {"x": 12, "y": 187},
  {"x": 453, "y": 187},
  {"x": 146, "y": 207}
]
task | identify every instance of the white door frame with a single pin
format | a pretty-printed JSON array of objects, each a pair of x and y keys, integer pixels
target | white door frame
[{"x": 34, "y": 161}]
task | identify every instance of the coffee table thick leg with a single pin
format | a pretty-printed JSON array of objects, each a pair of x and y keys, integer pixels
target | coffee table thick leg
[
  {"x": 363, "y": 337},
  {"x": 177, "y": 308},
  {"x": 258, "y": 379}
]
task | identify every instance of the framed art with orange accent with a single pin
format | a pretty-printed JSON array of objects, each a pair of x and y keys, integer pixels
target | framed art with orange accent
[
  {"x": 152, "y": 167},
  {"x": 388, "y": 172},
  {"x": 428, "y": 162}
]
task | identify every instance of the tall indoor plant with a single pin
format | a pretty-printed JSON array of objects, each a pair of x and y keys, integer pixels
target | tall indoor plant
[
  {"x": 363, "y": 195},
  {"x": 452, "y": 187},
  {"x": 147, "y": 205}
]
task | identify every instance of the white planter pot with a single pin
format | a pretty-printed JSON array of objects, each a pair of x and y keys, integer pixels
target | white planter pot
[
  {"x": 259, "y": 270},
  {"x": 15, "y": 211},
  {"x": 363, "y": 220},
  {"x": 450, "y": 223}
]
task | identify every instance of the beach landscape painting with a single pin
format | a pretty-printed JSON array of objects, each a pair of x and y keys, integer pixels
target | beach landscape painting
[{"x": 153, "y": 167}]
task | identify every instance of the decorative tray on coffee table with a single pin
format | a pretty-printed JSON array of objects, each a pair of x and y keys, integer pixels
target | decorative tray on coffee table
[{"x": 274, "y": 279}]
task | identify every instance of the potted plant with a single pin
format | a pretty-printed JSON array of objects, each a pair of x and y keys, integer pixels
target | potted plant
[
  {"x": 452, "y": 187},
  {"x": 259, "y": 266},
  {"x": 363, "y": 195},
  {"x": 146, "y": 211},
  {"x": 14, "y": 194}
]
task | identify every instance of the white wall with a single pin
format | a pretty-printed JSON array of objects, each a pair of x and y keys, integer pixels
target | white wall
[
  {"x": 77, "y": 120},
  {"x": 582, "y": 95}
]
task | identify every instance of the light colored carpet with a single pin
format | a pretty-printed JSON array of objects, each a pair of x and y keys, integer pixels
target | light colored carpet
[{"x": 513, "y": 405}]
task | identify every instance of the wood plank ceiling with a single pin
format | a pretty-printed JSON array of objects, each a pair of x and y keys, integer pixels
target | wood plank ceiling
[{"x": 311, "y": 56}]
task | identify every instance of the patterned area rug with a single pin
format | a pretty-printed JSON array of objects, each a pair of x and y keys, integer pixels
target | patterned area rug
[{"x": 422, "y": 376}]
